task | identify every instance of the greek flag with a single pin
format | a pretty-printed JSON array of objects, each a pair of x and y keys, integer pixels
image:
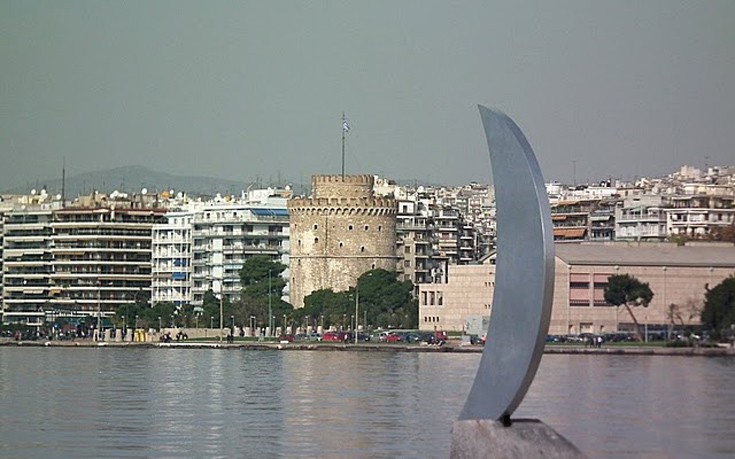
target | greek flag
[{"x": 345, "y": 126}]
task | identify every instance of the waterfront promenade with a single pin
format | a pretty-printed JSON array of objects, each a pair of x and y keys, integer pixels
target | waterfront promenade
[{"x": 452, "y": 346}]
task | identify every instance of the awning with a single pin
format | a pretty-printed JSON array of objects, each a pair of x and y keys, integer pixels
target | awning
[{"x": 569, "y": 233}]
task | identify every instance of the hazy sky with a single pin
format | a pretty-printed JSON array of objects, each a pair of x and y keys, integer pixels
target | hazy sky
[{"x": 241, "y": 89}]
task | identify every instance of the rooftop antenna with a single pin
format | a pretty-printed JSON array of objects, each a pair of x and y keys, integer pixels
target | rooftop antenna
[
  {"x": 63, "y": 181},
  {"x": 345, "y": 130}
]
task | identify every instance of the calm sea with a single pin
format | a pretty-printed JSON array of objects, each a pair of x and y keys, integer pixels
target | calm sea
[{"x": 202, "y": 403}]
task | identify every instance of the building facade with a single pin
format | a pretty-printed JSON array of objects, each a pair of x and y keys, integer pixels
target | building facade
[{"x": 677, "y": 275}]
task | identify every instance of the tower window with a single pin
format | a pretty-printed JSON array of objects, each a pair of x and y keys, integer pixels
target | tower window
[
  {"x": 316, "y": 240},
  {"x": 349, "y": 227},
  {"x": 367, "y": 227}
]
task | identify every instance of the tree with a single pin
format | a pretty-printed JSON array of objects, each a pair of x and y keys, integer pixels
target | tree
[
  {"x": 262, "y": 286},
  {"x": 626, "y": 290},
  {"x": 388, "y": 301},
  {"x": 718, "y": 314},
  {"x": 382, "y": 299}
]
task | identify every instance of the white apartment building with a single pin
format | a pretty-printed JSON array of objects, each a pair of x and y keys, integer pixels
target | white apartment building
[
  {"x": 641, "y": 218},
  {"x": 224, "y": 235},
  {"x": 171, "y": 258},
  {"x": 697, "y": 215}
]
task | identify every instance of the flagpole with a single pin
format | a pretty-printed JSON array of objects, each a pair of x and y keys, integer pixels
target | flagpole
[{"x": 343, "y": 145}]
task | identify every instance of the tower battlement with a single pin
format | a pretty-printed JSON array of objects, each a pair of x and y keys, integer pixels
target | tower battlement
[{"x": 337, "y": 186}]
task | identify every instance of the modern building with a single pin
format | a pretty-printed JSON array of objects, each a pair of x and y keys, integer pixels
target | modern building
[
  {"x": 171, "y": 259},
  {"x": 697, "y": 216},
  {"x": 225, "y": 235},
  {"x": 27, "y": 264},
  {"x": 101, "y": 257},
  {"x": 338, "y": 233},
  {"x": 86, "y": 259},
  {"x": 414, "y": 238},
  {"x": 677, "y": 275}
]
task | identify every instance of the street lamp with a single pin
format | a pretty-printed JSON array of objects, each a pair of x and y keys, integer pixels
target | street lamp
[
  {"x": 160, "y": 324},
  {"x": 284, "y": 323},
  {"x": 221, "y": 311},
  {"x": 357, "y": 302},
  {"x": 211, "y": 321},
  {"x": 99, "y": 311},
  {"x": 252, "y": 325},
  {"x": 232, "y": 319},
  {"x": 270, "y": 310}
]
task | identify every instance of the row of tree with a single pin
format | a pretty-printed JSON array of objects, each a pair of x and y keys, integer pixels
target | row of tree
[{"x": 378, "y": 299}]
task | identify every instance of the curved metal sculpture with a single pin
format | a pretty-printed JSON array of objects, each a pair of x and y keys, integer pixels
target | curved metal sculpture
[{"x": 524, "y": 280}]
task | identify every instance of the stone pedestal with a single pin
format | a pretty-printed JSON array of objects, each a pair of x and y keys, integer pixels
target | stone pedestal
[{"x": 523, "y": 439}]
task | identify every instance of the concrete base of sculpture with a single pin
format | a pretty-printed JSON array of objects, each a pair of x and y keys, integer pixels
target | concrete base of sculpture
[{"x": 525, "y": 438}]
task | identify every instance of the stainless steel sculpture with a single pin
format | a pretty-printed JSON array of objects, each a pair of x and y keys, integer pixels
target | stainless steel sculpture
[{"x": 521, "y": 306}]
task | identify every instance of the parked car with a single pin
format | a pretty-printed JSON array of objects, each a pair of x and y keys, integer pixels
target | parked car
[
  {"x": 393, "y": 338},
  {"x": 286, "y": 338},
  {"x": 337, "y": 336}
]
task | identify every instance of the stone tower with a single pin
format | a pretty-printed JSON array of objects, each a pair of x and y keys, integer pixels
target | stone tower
[{"x": 338, "y": 233}]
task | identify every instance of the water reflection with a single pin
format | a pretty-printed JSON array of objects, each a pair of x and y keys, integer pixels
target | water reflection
[{"x": 164, "y": 403}]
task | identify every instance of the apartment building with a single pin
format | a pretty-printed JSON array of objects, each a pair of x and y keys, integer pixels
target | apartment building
[
  {"x": 225, "y": 235},
  {"x": 27, "y": 263},
  {"x": 584, "y": 220},
  {"x": 171, "y": 258},
  {"x": 697, "y": 216},
  {"x": 641, "y": 218},
  {"x": 414, "y": 230},
  {"x": 101, "y": 257}
]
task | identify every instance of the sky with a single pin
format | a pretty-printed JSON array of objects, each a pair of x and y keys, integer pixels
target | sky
[{"x": 255, "y": 90}]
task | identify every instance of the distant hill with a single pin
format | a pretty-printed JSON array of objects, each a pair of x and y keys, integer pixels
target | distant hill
[{"x": 131, "y": 179}]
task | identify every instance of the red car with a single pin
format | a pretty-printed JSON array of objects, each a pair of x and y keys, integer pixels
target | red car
[
  {"x": 332, "y": 336},
  {"x": 393, "y": 338}
]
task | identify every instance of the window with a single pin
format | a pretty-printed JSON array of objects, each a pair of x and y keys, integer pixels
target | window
[
  {"x": 367, "y": 227},
  {"x": 316, "y": 227},
  {"x": 407, "y": 249},
  {"x": 341, "y": 244},
  {"x": 407, "y": 263},
  {"x": 579, "y": 303},
  {"x": 362, "y": 249},
  {"x": 316, "y": 240},
  {"x": 349, "y": 227}
]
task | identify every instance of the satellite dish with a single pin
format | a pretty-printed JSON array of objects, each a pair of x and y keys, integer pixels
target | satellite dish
[
  {"x": 144, "y": 191},
  {"x": 33, "y": 192},
  {"x": 58, "y": 196}
]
